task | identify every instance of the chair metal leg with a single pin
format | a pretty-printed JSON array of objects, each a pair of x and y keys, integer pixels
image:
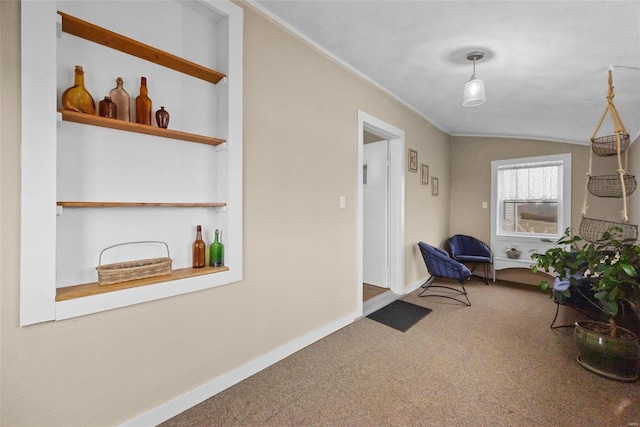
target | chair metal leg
[
  {"x": 485, "y": 279},
  {"x": 571, "y": 325},
  {"x": 556, "y": 317},
  {"x": 428, "y": 284}
]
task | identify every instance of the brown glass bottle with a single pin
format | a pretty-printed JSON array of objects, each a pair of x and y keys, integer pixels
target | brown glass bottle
[
  {"x": 198, "y": 249},
  {"x": 122, "y": 100},
  {"x": 77, "y": 97},
  {"x": 143, "y": 104},
  {"x": 107, "y": 108},
  {"x": 162, "y": 118}
]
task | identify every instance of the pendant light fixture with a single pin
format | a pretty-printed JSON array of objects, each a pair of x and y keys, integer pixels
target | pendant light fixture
[{"x": 474, "y": 89}]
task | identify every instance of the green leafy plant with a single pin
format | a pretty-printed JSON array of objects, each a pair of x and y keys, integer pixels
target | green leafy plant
[{"x": 610, "y": 265}]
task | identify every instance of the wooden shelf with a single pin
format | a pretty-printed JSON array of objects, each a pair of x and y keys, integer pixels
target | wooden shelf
[
  {"x": 88, "y": 31},
  {"x": 89, "y": 119},
  {"x": 69, "y": 204},
  {"x": 88, "y": 289}
]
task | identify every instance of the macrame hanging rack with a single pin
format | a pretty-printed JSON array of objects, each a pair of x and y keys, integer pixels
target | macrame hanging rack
[{"x": 609, "y": 185}]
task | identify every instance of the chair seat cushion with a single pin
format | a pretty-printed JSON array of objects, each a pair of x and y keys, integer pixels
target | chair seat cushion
[
  {"x": 580, "y": 296},
  {"x": 473, "y": 258}
]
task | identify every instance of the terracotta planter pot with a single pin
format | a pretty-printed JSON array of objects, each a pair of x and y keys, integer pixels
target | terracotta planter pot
[{"x": 613, "y": 358}]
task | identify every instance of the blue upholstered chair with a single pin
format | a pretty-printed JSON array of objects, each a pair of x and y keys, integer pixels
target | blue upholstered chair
[
  {"x": 578, "y": 295},
  {"x": 468, "y": 249},
  {"x": 440, "y": 264}
]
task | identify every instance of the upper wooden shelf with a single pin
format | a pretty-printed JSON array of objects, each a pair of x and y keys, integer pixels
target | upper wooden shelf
[
  {"x": 90, "y": 119},
  {"x": 88, "y": 31}
]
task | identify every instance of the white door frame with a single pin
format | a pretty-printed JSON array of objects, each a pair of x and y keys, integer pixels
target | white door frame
[{"x": 395, "y": 137}]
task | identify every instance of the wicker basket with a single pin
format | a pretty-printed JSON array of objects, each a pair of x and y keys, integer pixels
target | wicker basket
[
  {"x": 592, "y": 230},
  {"x": 110, "y": 274},
  {"x": 608, "y": 145},
  {"x": 610, "y": 186}
]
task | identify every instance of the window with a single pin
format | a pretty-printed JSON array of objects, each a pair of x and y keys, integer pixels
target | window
[
  {"x": 530, "y": 205},
  {"x": 528, "y": 195}
]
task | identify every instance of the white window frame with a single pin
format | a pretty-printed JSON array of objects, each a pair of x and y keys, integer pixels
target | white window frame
[{"x": 534, "y": 241}]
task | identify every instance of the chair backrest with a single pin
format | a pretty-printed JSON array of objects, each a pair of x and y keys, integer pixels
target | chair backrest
[
  {"x": 461, "y": 244},
  {"x": 440, "y": 264}
]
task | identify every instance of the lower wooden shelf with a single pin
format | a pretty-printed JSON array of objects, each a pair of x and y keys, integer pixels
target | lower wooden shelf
[
  {"x": 69, "y": 204},
  {"x": 88, "y": 289}
]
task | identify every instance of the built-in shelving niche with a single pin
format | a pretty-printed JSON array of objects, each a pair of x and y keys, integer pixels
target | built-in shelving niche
[{"x": 120, "y": 181}]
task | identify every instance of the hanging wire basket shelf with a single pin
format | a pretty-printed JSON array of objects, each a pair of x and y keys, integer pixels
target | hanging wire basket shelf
[
  {"x": 610, "y": 186},
  {"x": 608, "y": 145},
  {"x": 592, "y": 230}
]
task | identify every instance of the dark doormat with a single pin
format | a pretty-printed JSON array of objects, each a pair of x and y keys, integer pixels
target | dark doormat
[{"x": 400, "y": 315}]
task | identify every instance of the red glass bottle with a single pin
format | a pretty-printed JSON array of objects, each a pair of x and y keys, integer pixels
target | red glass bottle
[{"x": 162, "y": 118}]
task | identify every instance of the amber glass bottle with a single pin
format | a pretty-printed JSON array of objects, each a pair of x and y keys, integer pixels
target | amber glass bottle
[
  {"x": 77, "y": 97},
  {"x": 198, "y": 249},
  {"x": 107, "y": 108},
  {"x": 143, "y": 104},
  {"x": 122, "y": 100}
]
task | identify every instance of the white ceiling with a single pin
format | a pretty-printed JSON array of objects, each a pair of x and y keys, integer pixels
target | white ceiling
[{"x": 545, "y": 66}]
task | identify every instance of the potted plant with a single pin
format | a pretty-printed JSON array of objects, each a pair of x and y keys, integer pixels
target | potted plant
[{"x": 609, "y": 266}]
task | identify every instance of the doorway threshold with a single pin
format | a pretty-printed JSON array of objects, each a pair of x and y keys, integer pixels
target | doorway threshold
[{"x": 377, "y": 302}]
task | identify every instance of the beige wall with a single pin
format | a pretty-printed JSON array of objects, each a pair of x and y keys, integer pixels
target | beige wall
[
  {"x": 300, "y": 111},
  {"x": 471, "y": 159}
]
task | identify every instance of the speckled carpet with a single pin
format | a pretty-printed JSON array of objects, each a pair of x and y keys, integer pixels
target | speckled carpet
[{"x": 496, "y": 363}]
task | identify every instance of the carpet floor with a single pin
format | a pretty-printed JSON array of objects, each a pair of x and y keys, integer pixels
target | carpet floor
[{"x": 496, "y": 363}]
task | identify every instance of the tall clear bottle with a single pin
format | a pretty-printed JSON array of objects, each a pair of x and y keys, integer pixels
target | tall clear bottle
[
  {"x": 121, "y": 98},
  {"x": 216, "y": 251},
  {"x": 77, "y": 97},
  {"x": 143, "y": 104},
  {"x": 199, "y": 248}
]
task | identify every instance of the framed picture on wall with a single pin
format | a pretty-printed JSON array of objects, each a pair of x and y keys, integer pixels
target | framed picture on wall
[
  {"x": 424, "y": 174},
  {"x": 413, "y": 160},
  {"x": 434, "y": 186}
]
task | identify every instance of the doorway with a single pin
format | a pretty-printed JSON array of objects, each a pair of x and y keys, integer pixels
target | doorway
[
  {"x": 388, "y": 243},
  {"x": 375, "y": 195}
]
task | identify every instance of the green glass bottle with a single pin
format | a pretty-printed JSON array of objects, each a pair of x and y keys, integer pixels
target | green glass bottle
[{"x": 216, "y": 251}]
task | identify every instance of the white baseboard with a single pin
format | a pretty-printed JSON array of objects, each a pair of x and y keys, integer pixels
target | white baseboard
[
  {"x": 378, "y": 302},
  {"x": 191, "y": 398},
  {"x": 415, "y": 285},
  {"x": 387, "y": 298}
]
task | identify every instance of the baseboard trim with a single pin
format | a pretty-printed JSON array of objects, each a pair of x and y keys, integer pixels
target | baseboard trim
[
  {"x": 415, "y": 285},
  {"x": 191, "y": 398},
  {"x": 378, "y": 302}
]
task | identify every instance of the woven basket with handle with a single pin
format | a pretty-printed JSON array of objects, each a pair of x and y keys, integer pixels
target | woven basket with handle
[{"x": 110, "y": 274}]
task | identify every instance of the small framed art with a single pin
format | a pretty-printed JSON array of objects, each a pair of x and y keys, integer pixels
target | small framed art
[
  {"x": 434, "y": 186},
  {"x": 413, "y": 160},
  {"x": 424, "y": 174}
]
